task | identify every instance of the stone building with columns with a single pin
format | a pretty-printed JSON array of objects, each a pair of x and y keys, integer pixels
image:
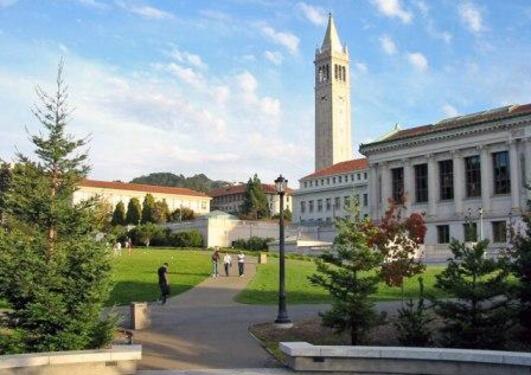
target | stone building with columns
[{"x": 466, "y": 174}]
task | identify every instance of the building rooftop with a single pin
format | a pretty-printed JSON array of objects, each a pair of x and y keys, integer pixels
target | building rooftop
[
  {"x": 141, "y": 187},
  {"x": 340, "y": 168},
  {"x": 238, "y": 189},
  {"x": 477, "y": 118}
]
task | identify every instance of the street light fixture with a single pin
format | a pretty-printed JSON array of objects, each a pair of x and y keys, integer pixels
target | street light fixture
[{"x": 282, "y": 320}]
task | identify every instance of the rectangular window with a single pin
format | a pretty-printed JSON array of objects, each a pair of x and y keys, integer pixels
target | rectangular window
[
  {"x": 365, "y": 175},
  {"x": 499, "y": 231},
  {"x": 365, "y": 200},
  {"x": 322, "y": 181},
  {"x": 351, "y": 177},
  {"x": 311, "y": 206},
  {"x": 328, "y": 180},
  {"x": 443, "y": 233},
  {"x": 340, "y": 179},
  {"x": 470, "y": 231},
  {"x": 303, "y": 207},
  {"x": 397, "y": 175},
  {"x": 473, "y": 176},
  {"x": 421, "y": 183},
  {"x": 337, "y": 203},
  {"x": 319, "y": 205},
  {"x": 502, "y": 179},
  {"x": 333, "y": 180},
  {"x": 446, "y": 179},
  {"x": 311, "y": 183},
  {"x": 316, "y": 182},
  {"x": 346, "y": 201},
  {"x": 328, "y": 204}
]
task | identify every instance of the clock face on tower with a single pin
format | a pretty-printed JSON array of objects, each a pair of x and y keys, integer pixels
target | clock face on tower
[{"x": 323, "y": 97}]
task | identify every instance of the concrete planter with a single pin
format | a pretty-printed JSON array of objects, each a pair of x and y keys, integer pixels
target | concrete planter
[
  {"x": 404, "y": 360},
  {"x": 119, "y": 360}
]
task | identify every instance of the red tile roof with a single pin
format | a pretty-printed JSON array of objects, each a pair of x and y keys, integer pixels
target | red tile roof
[
  {"x": 339, "y": 168},
  {"x": 238, "y": 189},
  {"x": 461, "y": 121},
  {"x": 141, "y": 187}
]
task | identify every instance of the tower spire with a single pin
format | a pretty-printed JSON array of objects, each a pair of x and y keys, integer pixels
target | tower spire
[{"x": 331, "y": 40}]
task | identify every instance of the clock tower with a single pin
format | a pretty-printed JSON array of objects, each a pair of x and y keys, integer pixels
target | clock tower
[{"x": 333, "y": 142}]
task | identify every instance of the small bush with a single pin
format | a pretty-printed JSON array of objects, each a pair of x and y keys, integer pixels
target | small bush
[
  {"x": 192, "y": 238},
  {"x": 254, "y": 243}
]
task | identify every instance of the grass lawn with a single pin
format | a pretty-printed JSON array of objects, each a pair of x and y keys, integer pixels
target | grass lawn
[
  {"x": 263, "y": 289},
  {"x": 135, "y": 276}
]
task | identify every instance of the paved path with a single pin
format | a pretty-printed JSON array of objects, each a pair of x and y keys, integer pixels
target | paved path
[{"x": 204, "y": 328}]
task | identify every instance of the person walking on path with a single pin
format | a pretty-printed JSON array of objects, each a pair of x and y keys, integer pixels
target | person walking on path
[
  {"x": 241, "y": 263},
  {"x": 227, "y": 262},
  {"x": 164, "y": 285},
  {"x": 215, "y": 260}
]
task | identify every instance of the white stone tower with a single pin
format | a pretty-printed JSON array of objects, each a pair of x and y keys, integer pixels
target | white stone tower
[{"x": 333, "y": 142}]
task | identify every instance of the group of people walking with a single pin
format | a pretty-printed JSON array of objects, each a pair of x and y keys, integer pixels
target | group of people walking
[
  {"x": 162, "y": 272},
  {"x": 227, "y": 263}
]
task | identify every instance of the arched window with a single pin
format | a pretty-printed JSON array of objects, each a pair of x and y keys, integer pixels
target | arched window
[
  {"x": 344, "y": 74},
  {"x": 320, "y": 74},
  {"x": 327, "y": 72},
  {"x": 336, "y": 73}
]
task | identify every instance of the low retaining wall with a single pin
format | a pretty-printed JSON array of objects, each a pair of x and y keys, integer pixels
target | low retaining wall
[
  {"x": 404, "y": 360},
  {"x": 119, "y": 360}
]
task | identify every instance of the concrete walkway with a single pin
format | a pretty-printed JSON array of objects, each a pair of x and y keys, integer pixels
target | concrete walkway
[{"x": 204, "y": 328}]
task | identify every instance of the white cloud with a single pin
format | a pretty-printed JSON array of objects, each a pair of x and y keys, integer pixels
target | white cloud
[
  {"x": 274, "y": 56},
  {"x": 361, "y": 67},
  {"x": 248, "y": 85},
  {"x": 146, "y": 11},
  {"x": 187, "y": 75},
  {"x": 188, "y": 58},
  {"x": 449, "y": 110},
  {"x": 471, "y": 16},
  {"x": 418, "y": 61},
  {"x": 393, "y": 9},
  {"x": 93, "y": 4},
  {"x": 286, "y": 39},
  {"x": 315, "y": 15},
  {"x": 388, "y": 45}
]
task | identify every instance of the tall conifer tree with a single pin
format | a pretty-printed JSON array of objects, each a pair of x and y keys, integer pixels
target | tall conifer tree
[
  {"x": 54, "y": 273},
  {"x": 134, "y": 212}
]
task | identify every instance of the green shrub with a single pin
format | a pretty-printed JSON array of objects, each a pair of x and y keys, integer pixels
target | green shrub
[
  {"x": 254, "y": 243},
  {"x": 192, "y": 238}
]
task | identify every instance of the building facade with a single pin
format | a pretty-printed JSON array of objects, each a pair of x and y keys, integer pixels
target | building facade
[
  {"x": 333, "y": 143},
  {"x": 230, "y": 199},
  {"x": 326, "y": 194},
  {"x": 467, "y": 175},
  {"x": 114, "y": 192}
]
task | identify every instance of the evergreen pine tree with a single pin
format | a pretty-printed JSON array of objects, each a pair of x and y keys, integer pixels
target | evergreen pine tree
[
  {"x": 347, "y": 273},
  {"x": 54, "y": 273},
  {"x": 255, "y": 205},
  {"x": 134, "y": 212},
  {"x": 118, "y": 216},
  {"x": 5, "y": 179},
  {"x": 478, "y": 315},
  {"x": 148, "y": 206},
  {"x": 521, "y": 267}
]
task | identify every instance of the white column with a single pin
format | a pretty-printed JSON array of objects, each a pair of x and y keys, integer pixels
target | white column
[
  {"x": 527, "y": 163},
  {"x": 433, "y": 193},
  {"x": 486, "y": 177},
  {"x": 409, "y": 190},
  {"x": 373, "y": 191},
  {"x": 459, "y": 181},
  {"x": 515, "y": 176},
  {"x": 386, "y": 187}
]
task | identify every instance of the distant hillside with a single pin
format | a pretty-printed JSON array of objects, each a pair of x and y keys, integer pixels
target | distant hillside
[{"x": 199, "y": 182}]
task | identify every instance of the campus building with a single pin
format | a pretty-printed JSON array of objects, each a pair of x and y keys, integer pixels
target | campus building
[
  {"x": 229, "y": 199},
  {"x": 114, "y": 192}
]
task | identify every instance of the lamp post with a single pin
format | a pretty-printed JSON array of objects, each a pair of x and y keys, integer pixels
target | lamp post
[
  {"x": 480, "y": 211},
  {"x": 282, "y": 320}
]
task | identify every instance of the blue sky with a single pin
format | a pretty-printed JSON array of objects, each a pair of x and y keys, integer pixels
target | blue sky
[{"x": 226, "y": 87}]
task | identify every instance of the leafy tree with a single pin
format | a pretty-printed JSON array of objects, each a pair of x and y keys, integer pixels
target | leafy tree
[
  {"x": 521, "y": 268},
  {"x": 413, "y": 322},
  {"x": 144, "y": 233},
  {"x": 54, "y": 273},
  {"x": 118, "y": 216},
  {"x": 479, "y": 316},
  {"x": 161, "y": 212},
  {"x": 182, "y": 214},
  {"x": 347, "y": 273},
  {"x": 134, "y": 212},
  {"x": 198, "y": 182},
  {"x": 399, "y": 241},
  {"x": 5, "y": 180},
  {"x": 255, "y": 205},
  {"x": 148, "y": 208},
  {"x": 103, "y": 212},
  {"x": 288, "y": 216}
]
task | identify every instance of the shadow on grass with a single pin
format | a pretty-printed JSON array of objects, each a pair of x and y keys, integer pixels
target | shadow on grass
[
  {"x": 125, "y": 292},
  {"x": 202, "y": 274}
]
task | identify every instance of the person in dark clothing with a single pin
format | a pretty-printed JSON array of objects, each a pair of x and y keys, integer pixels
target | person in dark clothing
[{"x": 164, "y": 285}]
